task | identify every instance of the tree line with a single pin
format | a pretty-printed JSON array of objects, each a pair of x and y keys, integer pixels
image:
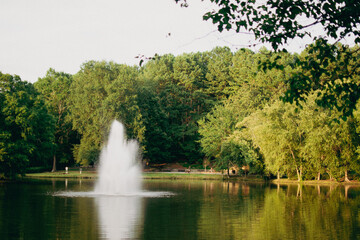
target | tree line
[{"x": 218, "y": 107}]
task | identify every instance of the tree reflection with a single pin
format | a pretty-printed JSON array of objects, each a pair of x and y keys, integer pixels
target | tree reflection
[{"x": 281, "y": 212}]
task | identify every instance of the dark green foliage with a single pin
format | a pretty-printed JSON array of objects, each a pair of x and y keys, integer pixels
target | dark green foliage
[
  {"x": 100, "y": 93},
  {"x": 156, "y": 141},
  {"x": 277, "y": 21},
  {"x": 26, "y": 127},
  {"x": 177, "y": 87},
  {"x": 55, "y": 88},
  {"x": 334, "y": 69},
  {"x": 218, "y": 77}
]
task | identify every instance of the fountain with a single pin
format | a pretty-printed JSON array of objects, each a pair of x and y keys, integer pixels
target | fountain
[
  {"x": 119, "y": 170},
  {"x": 118, "y": 194}
]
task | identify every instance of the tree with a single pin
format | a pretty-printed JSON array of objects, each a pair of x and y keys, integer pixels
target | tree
[
  {"x": 278, "y": 21},
  {"x": 318, "y": 125},
  {"x": 55, "y": 88},
  {"x": 218, "y": 72},
  {"x": 26, "y": 127},
  {"x": 100, "y": 93},
  {"x": 178, "y": 87},
  {"x": 276, "y": 131},
  {"x": 157, "y": 142},
  {"x": 216, "y": 129},
  {"x": 236, "y": 152},
  {"x": 333, "y": 69},
  {"x": 254, "y": 87}
]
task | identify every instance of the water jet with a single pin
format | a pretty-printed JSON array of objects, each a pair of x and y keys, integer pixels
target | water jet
[{"x": 119, "y": 170}]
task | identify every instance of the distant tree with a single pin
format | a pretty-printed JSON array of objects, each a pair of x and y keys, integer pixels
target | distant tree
[
  {"x": 100, "y": 93},
  {"x": 157, "y": 142},
  {"x": 254, "y": 87},
  {"x": 55, "y": 88},
  {"x": 218, "y": 77},
  {"x": 178, "y": 87},
  {"x": 26, "y": 127}
]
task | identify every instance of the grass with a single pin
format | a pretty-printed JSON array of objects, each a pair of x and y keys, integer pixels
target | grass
[
  {"x": 313, "y": 182},
  {"x": 61, "y": 174},
  {"x": 186, "y": 176},
  {"x": 195, "y": 176},
  {"x": 85, "y": 174},
  {"x": 146, "y": 175}
]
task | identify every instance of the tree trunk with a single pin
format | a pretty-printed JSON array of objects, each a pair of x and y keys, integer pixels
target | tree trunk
[
  {"x": 54, "y": 164},
  {"x": 346, "y": 176},
  {"x": 330, "y": 176},
  {"x": 278, "y": 175},
  {"x": 299, "y": 173},
  {"x": 319, "y": 176}
]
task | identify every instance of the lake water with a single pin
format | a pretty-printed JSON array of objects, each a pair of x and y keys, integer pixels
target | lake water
[{"x": 33, "y": 209}]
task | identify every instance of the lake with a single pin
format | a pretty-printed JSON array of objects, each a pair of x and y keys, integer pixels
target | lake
[{"x": 34, "y": 209}]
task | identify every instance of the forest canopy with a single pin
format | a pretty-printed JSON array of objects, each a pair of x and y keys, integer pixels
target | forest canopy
[{"x": 217, "y": 108}]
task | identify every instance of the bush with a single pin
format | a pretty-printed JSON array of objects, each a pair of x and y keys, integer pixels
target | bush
[{"x": 37, "y": 169}]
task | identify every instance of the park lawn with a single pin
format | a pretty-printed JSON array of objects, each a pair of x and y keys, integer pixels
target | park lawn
[
  {"x": 313, "y": 182},
  {"x": 172, "y": 175},
  {"x": 185, "y": 176},
  {"x": 146, "y": 175},
  {"x": 62, "y": 174}
]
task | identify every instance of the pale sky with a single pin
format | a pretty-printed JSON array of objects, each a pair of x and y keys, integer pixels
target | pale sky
[{"x": 62, "y": 34}]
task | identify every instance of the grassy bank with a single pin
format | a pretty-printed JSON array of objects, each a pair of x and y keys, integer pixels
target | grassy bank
[
  {"x": 62, "y": 174},
  {"x": 147, "y": 175},
  {"x": 170, "y": 175},
  {"x": 187, "y": 176},
  {"x": 314, "y": 182},
  {"x": 152, "y": 175}
]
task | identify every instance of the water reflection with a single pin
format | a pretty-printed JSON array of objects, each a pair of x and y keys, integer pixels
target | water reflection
[
  {"x": 198, "y": 210},
  {"x": 119, "y": 217},
  {"x": 245, "y": 211}
]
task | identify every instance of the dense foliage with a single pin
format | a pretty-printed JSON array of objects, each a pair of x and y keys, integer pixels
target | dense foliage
[
  {"x": 217, "y": 108},
  {"x": 26, "y": 127},
  {"x": 328, "y": 66},
  {"x": 54, "y": 88}
]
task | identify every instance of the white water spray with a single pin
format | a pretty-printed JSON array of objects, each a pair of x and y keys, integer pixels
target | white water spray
[
  {"x": 117, "y": 192},
  {"x": 119, "y": 170}
]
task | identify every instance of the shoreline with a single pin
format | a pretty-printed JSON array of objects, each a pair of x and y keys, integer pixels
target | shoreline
[{"x": 191, "y": 176}]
